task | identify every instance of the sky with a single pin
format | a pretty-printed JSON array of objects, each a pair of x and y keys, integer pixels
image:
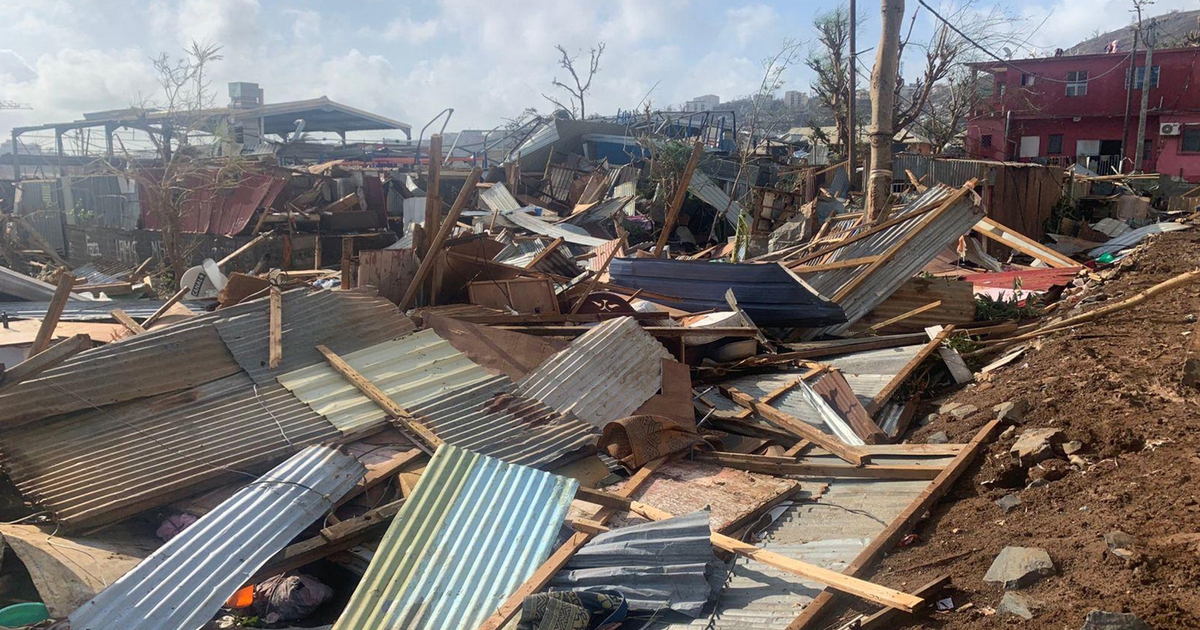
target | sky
[{"x": 487, "y": 59}]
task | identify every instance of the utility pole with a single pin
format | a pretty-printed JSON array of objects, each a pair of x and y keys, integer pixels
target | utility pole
[
  {"x": 1147, "y": 74},
  {"x": 883, "y": 110},
  {"x": 851, "y": 149},
  {"x": 1137, "y": 6}
]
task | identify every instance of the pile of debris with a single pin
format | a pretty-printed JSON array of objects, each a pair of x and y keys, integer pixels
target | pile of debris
[{"x": 548, "y": 403}]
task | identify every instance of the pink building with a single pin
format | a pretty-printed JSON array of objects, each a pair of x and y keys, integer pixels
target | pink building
[{"x": 1066, "y": 110}]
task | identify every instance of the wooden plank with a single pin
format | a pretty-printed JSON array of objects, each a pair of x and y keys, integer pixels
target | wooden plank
[
  {"x": 381, "y": 472},
  {"x": 884, "y": 394},
  {"x": 38, "y": 363},
  {"x": 179, "y": 295},
  {"x": 841, "y": 264},
  {"x": 890, "y": 617},
  {"x": 774, "y": 394},
  {"x": 681, "y": 188},
  {"x": 903, "y": 316},
  {"x": 837, "y": 393},
  {"x": 954, "y": 362},
  {"x": 128, "y": 322},
  {"x": 331, "y": 540},
  {"x": 112, "y": 288},
  {"x": 839, "y": 581},
  {"x": 275, "y": 329},
  {"x": 902, "y": 524},
  {"x": 348, "y": 275},
  {"x": 58, "y": 302},
  {"x": 546, "y": 251},
  {"x": 785, "y": 466},
  {"x": 671, "y": 332},
  {"x": 433, "y": 183},
  {"x": 439, "y": 240},
  {"x": 911, "y": 234},
  {"x": 562, "y": 555},
  {"x": 1011, "y": 238},
  {"x": 797, "y": 426},
  {"x": 916, "y": 183},
  {"x": 379, "y": 397},
  {"x": 591, "y": 285}
]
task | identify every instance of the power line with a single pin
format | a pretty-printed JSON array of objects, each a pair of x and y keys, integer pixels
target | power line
[{"x": 1009, "y": 63}]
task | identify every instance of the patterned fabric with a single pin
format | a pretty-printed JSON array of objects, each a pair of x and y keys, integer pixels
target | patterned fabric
[
  {"x": 636, "y": 440},
  {"x": 572, "y": 610}
]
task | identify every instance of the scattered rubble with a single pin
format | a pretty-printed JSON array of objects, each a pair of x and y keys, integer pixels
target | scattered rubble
[
  {"x": 1018, "y": 567},
  {"x": 1017, "y": 604}
]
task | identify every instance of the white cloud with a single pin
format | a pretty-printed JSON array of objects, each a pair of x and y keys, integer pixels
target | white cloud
[
  {"x": 751, "y": 22},
  {"x": 1065, "y": 23},
  {"x": 306, "y": 24},
  {"x": 406, "y": 29}
]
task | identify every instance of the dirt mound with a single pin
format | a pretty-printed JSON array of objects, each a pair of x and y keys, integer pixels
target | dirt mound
[{"x": 1112, "y": 385}]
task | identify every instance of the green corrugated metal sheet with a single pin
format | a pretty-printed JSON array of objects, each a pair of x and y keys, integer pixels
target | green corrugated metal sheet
[{"x": 473, "y": 531}]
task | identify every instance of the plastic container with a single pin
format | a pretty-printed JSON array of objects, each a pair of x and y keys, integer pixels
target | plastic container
[{"x": 26, "y": 614}]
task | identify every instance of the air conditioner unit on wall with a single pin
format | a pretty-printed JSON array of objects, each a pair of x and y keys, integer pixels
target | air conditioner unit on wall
[{"x": 1169, "y": 129}]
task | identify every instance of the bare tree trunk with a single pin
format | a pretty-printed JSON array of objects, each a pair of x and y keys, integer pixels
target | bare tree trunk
[{"x": 883, "y": 106}]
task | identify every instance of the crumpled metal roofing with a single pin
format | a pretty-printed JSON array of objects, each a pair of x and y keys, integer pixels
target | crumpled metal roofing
[
  {"x": 184, "y": 583},
  {"x": 556, "y": 262},
  {"x": 800, "y": 402},
  {"x": 569, "y": 233},
  {"x": 914, "y": 255},
  {"x": 103, "y": 271},
  {"x": 604, "y": 375},
  {"x": 1133, "y": 237},
  {"x": 829, "y": 532},
  {"x": 486, "y": 418},
  {"x": 217, "y": 208},
  {"x": 474, "y": 529},
  {"x": 869, "y": 371},
  {"x": 417, "y": 368},
  {"x": 712, "y": 194},
  {"x": 101, "y": 465},
  {"x": 342, "y": 320},
  {"x": 603, "y": 210},
  {"x": 498, "y": 198},
  {"x": 655, "y": 565}
]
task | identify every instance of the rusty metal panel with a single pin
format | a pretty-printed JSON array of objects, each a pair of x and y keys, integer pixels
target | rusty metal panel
[
  {"x": 604, "y": 375},
  {"x": 344, "y": 321},
  {"x": 474, "y": 529},
  {"x": 101, "y": 465},
  {"x": 183, "y": 584}
]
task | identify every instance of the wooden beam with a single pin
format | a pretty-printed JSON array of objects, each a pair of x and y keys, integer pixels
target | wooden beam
[
  {"x": 672, "y": 332},
  {"x": 54, "y": 311},
  {"x": 784, "y": 466},
  {"x": 179, "y": 295},
  {"x": 774, "y": 394},
  {"x": 562, "y": 555},
  {"x": 890, "y": 617},
  {"x": 902, "y": 524},
  {"x": 379, "y": 397},
  {"x": 841, "y": 264},
  {"x": 677, "y": 201},
  {"x": 861, "y": 235},
  {"x": 839, "y": 581},
  {"x": 884, "y": 394},
  {"x": 128, "y": 322},
  {"x": 275, "y": 329},
  {"x": 546, "y": 251},
  {"x": 38, "y": 363},
  {"x": 797, "y": 426},
  {"x": 331, "y": 540},
  {"x": 433, "y": 183},
  {"x": 381, "y": 472},
  {"x": 1011, "y": 238},
  {"x": 112, "y": 288},
  {"x": 903, "y": 316},
  {"x": 347, "y": 266},
  {"x": 439, "y": 240}
]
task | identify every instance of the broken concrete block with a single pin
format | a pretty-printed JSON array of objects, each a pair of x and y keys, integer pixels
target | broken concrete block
[
  {"x": 1101, "y": 620},
  {"x": 1012, "y": 411},
  {"x": 1008, "y": 502},
  {"x": 1018, "y": 567},
  {"x": 938, "y": 438},
  {"x": 1016, "y": 604},
  {"x": 963, "y": 411},
  {"x": 948, "y": 407},
  {"x": 1036, "y": 445}
]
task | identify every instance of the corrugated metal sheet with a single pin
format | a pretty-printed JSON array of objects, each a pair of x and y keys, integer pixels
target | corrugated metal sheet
[
  {"x": 474, "y": 530},
  {"x": 413, "y": 369},
  {"x": 569, "y": 233},
  {"x": 800, "y": 402},
  {"x": 103, "y": 271},
  {"x": 97, "y": 466},
  {"x": 657, "y": 565},
  {"x": 767, "y": 292},
  {"x": 497, "y": 198},
  {"x": 24, "y": 287},
  {"x": 603, "y": 210},
  {"x": 829, "y": 532},
  {"x": 868, "y": 372},
  {"x": 711, "y": 194},
  {"x": 604, "y": 375},
  {"x": 215, "y": 207},
  {"x": 1133, "y": 237},
  {"x": 486, "y": 418},
  {"x": 184, "y": 583},
  {"x": 556, "y": 262},
  {"x": 84, "y": 309},
  {"x": 344, "y": 321},
  {"x": 915, "y": 254}
]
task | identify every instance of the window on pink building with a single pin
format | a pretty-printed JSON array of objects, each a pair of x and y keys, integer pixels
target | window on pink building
[{"x": 1077, "y": 83}]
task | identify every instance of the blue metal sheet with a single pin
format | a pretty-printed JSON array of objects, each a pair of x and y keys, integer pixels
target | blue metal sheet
[
  {"x": 474, "y": 529},
  {"x": 767, "y": 292}
]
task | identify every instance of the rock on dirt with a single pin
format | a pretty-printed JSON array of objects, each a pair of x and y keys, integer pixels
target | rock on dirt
[
  {"x": 1008, "y": 502},
  {"x": 1036, "y": 445},
  {"x": 938, "y": 438},
  {"x": 962, "y": 411},
  {"x": 1012, "y": 411},
  {"x": 1018, "y": 567},
  {"x": 1101, "y": 620},
  {"x": 1016, "y": 604}
]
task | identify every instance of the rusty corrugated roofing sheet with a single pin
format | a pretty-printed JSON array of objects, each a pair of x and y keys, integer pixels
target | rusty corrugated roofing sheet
[
  {"x": 486, "y": 418},
  {"x": 98, "y": 466},
  {"x": 184, "y": 583},
  {"x": 604, "y": 375},
  {"x": 474, "y": 529},
  {"x": 344, "y": 321},
  {"x": 417, "y": 368},
  {"x": 216, "y": 207}
]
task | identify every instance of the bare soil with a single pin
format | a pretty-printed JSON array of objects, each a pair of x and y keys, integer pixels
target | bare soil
[{"x": 1114, "y": 386}]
